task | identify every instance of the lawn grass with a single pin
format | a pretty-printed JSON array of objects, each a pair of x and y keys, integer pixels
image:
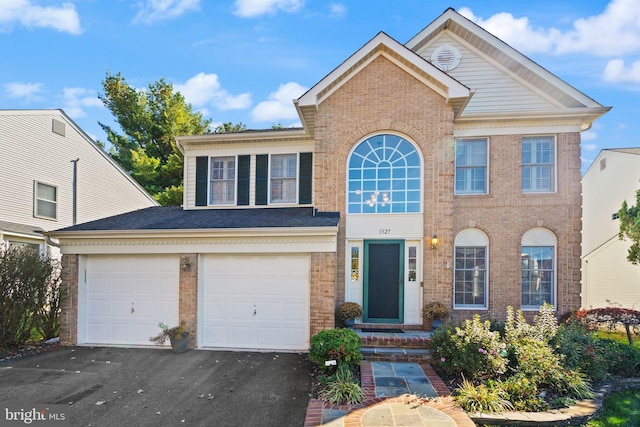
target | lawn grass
[
  {"x": 620, "y": 410},
  {"x": 619, "y": 336}
]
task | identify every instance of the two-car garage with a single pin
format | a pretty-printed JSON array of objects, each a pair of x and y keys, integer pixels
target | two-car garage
[{"x": 256, "y": 302}]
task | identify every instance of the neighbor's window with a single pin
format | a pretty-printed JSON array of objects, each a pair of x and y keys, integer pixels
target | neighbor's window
[
  {"x": 471, "y": 166},
  {"x": 537, "y": 268},
  {"x": 283, "y": 174},
  {"x": 222, "y": 190},
  {"x": 384, "y": 174},
  {"x": 538, "y": 164},
  {"x": 46, "y": 201}
]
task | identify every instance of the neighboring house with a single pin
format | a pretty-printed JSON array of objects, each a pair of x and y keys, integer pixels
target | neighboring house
[
  {"x": 54, "y": 176},
  {"x": 444, "y": 169},
  {"x": 608, "y": 279}
]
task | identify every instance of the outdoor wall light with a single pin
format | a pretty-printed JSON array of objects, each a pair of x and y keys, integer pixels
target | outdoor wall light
[
  {"x": 186, "y": 264},
  {"x": 434, "y": 241}
]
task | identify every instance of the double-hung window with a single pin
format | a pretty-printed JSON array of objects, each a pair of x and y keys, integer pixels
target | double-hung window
[
  {"x": 222, "y": 186},
  {"x": 470, "y": 269},
  {"x": 471, "y": 166},
  {"x": 283, "y": 174},
  {"x": 538, "y": 164},
  {"x": 537, "y": 268},
  {"x": 45, "y": 201}
]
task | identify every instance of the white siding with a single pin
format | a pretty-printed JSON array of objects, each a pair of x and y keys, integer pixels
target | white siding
[
  {"x": 231, "y": 149},
  {"x": 495, "y": 89},
  {"x": 607, "y": 277},
  {"x": 31, "y": 151}
]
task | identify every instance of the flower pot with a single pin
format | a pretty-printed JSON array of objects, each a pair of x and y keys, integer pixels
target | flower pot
[
  {"x": 435, "y": 323},
  {"x": 179, "y": 342},
  {"x": 349, "y": 322}
]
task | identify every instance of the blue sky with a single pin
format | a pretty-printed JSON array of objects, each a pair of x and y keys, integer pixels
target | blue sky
[{"x": 245, "y": 60}]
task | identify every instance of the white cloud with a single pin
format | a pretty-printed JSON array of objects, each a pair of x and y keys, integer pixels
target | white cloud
[
  {"x": 337, "y": 10},
  {"x": 61, "y": 18},
  {"x": 515, "y": 31},
  {"x": 161, "y": 10},
  {"x": 588, "y": 135},
  {"x": 76, "y": 99},
  {"x": 252, "y": 8},
  {"x": 616, "y": 72},
  {"x": 614, "y": 32},
  {"x": 589, "y": 147},
  {"x": 28, "y": 91},
  {"x": 205, "y": 89},
  {"x": 279, "y": 105}
]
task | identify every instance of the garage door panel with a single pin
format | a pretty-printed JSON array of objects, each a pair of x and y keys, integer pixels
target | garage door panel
[
  {"x": 276, "y": 287},
  {"x": 125, "y": 297}
]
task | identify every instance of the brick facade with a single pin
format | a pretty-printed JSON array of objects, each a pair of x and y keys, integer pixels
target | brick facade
[
  {"x": 69, "y": 303},
  {"x": 384, "y": 98},
  {"x": 188, "y": 305}
]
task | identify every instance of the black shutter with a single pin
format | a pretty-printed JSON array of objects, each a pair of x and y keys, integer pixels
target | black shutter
[
  {"x": 202, "y": 166},
  {"x": 243, "y": 180},
  {"x": 305, "y": 182},
  {"x": 262, "y": 178}
]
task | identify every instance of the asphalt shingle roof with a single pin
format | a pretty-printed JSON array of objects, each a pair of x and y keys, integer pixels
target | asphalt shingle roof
[{"x": 176, "y": 218}]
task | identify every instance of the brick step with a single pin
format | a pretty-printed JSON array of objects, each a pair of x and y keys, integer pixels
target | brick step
[
  {"x": 389, "y": 354},
  {"x": 405, "y": 340}
]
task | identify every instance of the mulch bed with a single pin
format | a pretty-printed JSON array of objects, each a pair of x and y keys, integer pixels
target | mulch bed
[{"x": 10, "y": 354}]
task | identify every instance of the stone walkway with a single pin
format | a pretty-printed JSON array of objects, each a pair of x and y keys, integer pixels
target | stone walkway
[{"x": 395, "y": 394}]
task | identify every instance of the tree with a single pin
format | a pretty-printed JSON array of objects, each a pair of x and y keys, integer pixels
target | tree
[
  {"x": 630, "y": 228},
  {"x": 229, "y": 127},
  {"x": 150, "y": 120}
]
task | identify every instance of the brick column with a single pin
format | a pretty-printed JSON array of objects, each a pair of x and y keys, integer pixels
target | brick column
[
  {"x": 322, "y": 294},
  {"x": 188, "y": 289},
  {"x": 69, "y": 303}
]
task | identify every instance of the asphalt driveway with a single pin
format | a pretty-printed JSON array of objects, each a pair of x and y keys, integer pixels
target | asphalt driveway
[{"x": 156, "y": 387}]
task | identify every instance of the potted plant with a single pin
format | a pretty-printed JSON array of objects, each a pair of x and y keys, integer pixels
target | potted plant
[
  {"x": 435, "y": 312},
  {"x": 348, "y": 312},
  {"x": 176, "y": 335}
]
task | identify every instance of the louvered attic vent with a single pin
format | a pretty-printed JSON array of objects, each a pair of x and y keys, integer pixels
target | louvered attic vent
[
  {"x": 446, "y": 57},
  {"x": 59, "y": 127}
]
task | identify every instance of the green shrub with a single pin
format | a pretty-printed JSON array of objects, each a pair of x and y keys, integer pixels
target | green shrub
[
  {"x": 523, "y": 394},
  {"x": 29, "y": 296},
  {"x": 341, "y": 345},
  {"x": 481, "y": 398},
  {"x": 544, "y": 328},
  {"x": 471, "y": 350},
  {"x": 623, "y": 360},
  {"x": 583, "y": 351},
  {"x": 342, "y": 389}
]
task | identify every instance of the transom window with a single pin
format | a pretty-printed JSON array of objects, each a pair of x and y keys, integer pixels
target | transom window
[
  {"x": 538, "y": 164},
  {"x": 384, "y": 174},
  {"x": 283, "y": 178},
  {"x": 471, "y": 166},
  {"x": 223, "y": 181},
  {"x": 46, "y": 201}
]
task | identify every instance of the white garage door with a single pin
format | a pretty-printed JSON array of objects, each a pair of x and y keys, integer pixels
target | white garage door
[
  {"x": 125, "y": 297},
  {"x": 255, "y": 302}
]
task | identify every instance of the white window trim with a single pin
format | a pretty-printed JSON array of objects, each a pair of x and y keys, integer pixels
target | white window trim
[
  {"x": 486, "y": 176},
  {"x": 235, "y": 183},
  {"x": 472, "y": 237},
  {"x": 297, "y": 180},
  {"x": 555, "y": 165},
  {"x": 422, "y": 174},
  {"x": 35, "y": 200},
  {"x": 540, "y": 236}
]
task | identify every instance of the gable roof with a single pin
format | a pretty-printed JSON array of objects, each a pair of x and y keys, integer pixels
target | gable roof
[
  {"x": 175, "y": 218},
  {"x": 89, "y": 141},
  {"x": 570, "y": 101},
  {"x": 381, "y": 45}
]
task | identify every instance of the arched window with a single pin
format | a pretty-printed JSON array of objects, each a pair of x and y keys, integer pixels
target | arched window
[
  {"x": 384, "y": 173},
  {"x": 537, "y": 268},
  {"x": 470, "y": 269}
]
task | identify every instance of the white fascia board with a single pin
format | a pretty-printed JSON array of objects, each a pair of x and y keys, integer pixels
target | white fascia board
[
  {"x": 353, "y": 65},
  {"x": 248, "y": 136}
]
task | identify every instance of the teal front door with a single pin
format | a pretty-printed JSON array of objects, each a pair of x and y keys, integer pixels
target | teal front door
[{"x": 383, "y": 281}]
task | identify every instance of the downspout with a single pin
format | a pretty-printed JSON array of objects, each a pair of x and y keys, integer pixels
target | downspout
[{"x": 75, "y": 190}]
